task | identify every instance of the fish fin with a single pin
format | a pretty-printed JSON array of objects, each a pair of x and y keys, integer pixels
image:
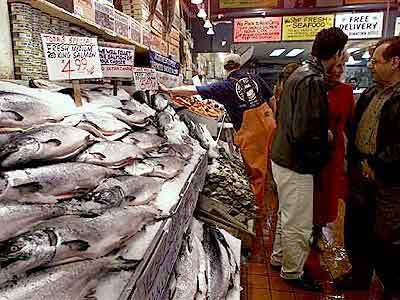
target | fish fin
[
  {"x": 54, "y": 142},
  {"x": 123, "y": 264},
  {"x": 91, "y": 295},
  {"x": 77, "y": 245},
  {"x": 13, "y": 114},
  {"x": 98, "y": 155},
  {"x": 31, "y": 187}
]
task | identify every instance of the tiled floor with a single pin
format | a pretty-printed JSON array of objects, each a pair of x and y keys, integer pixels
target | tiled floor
[{"x": 260, "y": 282}]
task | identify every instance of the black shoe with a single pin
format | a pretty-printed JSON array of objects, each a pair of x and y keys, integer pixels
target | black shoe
[
  {"x": 305, "y": 283},
  {"x": 347, "y": 282}
]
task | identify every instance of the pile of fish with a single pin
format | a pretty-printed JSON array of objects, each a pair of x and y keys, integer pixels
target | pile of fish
[
  {"x": 227, "y": 194},
  {"x": 78, "y": 183},
  {"x": 206, "y": 268}
]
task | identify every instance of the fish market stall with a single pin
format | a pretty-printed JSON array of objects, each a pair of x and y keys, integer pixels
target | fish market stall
[{"x": 102, "y": 193}]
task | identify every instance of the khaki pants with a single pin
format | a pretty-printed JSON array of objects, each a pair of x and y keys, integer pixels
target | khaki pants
[{"x": 295, "y": 221}]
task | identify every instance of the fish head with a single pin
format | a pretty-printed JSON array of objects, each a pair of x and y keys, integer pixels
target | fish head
[
  {"x": 39, "y": 245},
  {"x": 19, "y": 151},
  {"x": 111, "y": 197}
]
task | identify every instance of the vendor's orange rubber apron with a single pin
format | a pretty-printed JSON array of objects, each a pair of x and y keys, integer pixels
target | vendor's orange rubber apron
[{"x": 254, "y": 140}]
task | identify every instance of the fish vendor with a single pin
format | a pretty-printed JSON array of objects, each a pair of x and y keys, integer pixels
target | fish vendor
[{"x": 245, "y": 97}]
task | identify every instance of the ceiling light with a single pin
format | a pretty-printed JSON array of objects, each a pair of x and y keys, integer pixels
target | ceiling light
[
  {"x": 277, "y": 52},
  {"x": 207, "y": 24},
  {"x": 202, "y": 13},
  {"x": 295, "y": 52},
  {"x": 196, "y": 1},
  {"x": 351, "y": 50},
  {"x": 223, "y": 43},
  {"x": 210, "y": 31},
  {"x": 366, "y": 55}
]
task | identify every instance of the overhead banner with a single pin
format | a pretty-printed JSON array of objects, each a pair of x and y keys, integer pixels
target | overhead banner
[
  {"x": 145, "y": 79},
  {"x": 361, "y": 25},
  {"x": 231, "y": 4},
  {"x": 257, "y": 30},
  {"x": 305, "y": 28},
  {"x": 164, "y": 64},
  {"x": 71, "y": 57},
  {"x": 116, "y": 62}
]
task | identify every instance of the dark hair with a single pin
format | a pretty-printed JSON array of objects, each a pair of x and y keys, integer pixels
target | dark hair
[
  {"x": 392, "y": 50},
  {"x": 328, "y": 42},
  {"x": 231, "y": 66}
]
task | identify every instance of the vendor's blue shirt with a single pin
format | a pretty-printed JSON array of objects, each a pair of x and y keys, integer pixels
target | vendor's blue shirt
[{"x": 239, "y": 92}]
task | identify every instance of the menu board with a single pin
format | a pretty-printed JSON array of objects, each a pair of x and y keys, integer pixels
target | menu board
[
  {"x": 305, "y": 28},
  {"x": 117, "y": 61},
  {"x": 229, "y": 4},
  {"x": 145, "y": 79},
  {"x": 397, "y": 27},
  {"x": 361, "y": 25},
  {"x": 257, "y": 30},
  {"x": 84, "y": 8},
  {"x": 164, "y": 64},
  {"x": 71, "y": 57}
]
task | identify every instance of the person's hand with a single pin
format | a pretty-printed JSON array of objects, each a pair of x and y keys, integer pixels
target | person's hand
[
  {"x": 330, "y": 136},
  {"x": 367, "y": 171}
]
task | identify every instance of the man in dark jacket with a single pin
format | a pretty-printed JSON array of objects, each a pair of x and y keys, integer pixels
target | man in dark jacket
[
  {"x": 372, "y": 227},
  {"x": 299, "y": 151}
]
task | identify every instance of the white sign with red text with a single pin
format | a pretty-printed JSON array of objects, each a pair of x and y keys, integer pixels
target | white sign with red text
[
  {"x": 71, "y": 57},
  {"x": 145, "y": 79}
]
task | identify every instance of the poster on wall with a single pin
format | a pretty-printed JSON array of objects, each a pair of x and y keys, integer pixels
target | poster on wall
[
  {"x": 232, "y": 4},
  {"x": 397, "y": 27},
  {"x": 71, "y": 57},
  {"x": 116, "y": 60},
  {"x": 250, "y": 30},
  {"x": 361, "y": 25},
  {"x": 305, "y": 28}
]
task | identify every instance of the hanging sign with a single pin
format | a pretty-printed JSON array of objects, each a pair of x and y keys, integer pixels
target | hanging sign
[
  {"x": 228, "y": 4},
  {"x": 116, "y": 62},
  {"x": 361, "y": 25},
  {"x": 397, "y": 28},
  {"x": 164, "y": 64},
  {"x": 257, "y": 30},
  {"x": 145, "y": 79},
  {"x": 305, "y": 28},
  {"x": 71, "y": 57}
]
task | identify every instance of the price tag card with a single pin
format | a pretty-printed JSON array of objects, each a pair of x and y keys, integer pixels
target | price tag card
[
  {"x": 71, "y": 57},
  {"x": 145, "y": 79}
]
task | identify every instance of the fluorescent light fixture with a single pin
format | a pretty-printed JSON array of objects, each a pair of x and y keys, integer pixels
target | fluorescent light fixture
[
  {"x": 196, "y": 1},
  {"x": 366, "y": 55},
  {"x": 207, "y": 24},
  {"x": 223, "y": 43},
  {"x": 202, "y": 13},
  {"x": 351, "y": 50},
  {"x": 295, "y": 52},
  {"x": 210, "y": 31},
  {"x": 277, "y": 52},
  {"x": 352, "y": 61}
]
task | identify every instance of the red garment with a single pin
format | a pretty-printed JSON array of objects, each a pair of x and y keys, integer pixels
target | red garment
[{"x": 330, "y": 184}]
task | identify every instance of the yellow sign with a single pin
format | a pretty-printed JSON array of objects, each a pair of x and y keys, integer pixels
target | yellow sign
[
  {"x": 305, "y": 28},
  {"x": 227, "y": 4}
]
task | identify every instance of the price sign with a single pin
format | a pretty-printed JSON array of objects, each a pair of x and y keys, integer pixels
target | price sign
[
  {"x": 145, "y": 79},
  {"x": 71, "y": 57},
  {"x": 116, "y": 60}
]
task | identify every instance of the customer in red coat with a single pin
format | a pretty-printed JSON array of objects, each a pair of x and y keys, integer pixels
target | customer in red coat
[{"x": 330, "y": 185}]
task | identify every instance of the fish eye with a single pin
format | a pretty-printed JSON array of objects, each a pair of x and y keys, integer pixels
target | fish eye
[{"x": 14, "y": 248}]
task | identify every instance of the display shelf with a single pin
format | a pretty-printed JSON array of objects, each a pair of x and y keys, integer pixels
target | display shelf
[
  {"x": 152, "y": 274},
  {"x": 89, "y": 25}
]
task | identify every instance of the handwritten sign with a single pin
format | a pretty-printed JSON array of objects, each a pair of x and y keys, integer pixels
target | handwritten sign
[
  {"x": 257, "y": 30},
  {"x": 164, "y": 64},
  {"x": 71, "y": 57},
  {"x": 224, "y": 4},
  {"x": 116, "y": 62},
  {"x": 145, "y": 79},
  {"x": 361, "y": 25},
  {"x": 305, "y": 28}
]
